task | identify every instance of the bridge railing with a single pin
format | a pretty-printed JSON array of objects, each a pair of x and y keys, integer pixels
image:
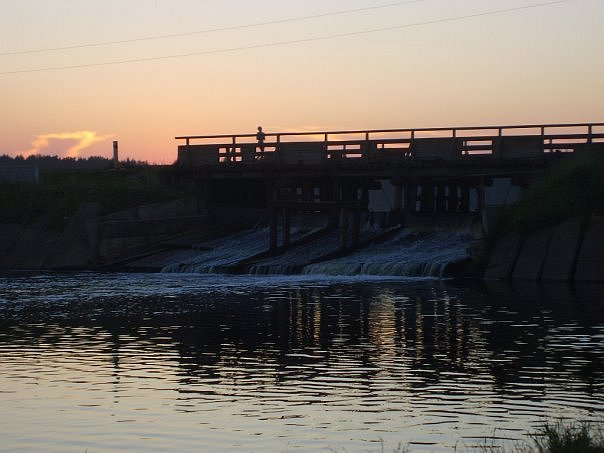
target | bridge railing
[{"x": 512, "y": 141}]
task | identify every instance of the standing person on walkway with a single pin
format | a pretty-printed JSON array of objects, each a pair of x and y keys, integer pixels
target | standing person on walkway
[{"x": 260, "y": 136}]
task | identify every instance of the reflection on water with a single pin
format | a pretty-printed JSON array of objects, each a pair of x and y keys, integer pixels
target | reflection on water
[{"x": 103, "y": 362}]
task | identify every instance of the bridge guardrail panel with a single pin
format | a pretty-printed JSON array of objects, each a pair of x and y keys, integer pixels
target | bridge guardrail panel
[
  {"x": 519, "y": 146},
  {"x": 302, "y": 152},
  {"x": 194, "y": 155},
  {"x": 368, "y": 149},
  {"x": 248, "y": 152},
  {"x": 436, "y": 148}
]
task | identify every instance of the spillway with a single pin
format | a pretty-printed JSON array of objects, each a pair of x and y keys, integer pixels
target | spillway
[
  {"x": 410, "y": 253},
  {"x": 407, "y": 253}
]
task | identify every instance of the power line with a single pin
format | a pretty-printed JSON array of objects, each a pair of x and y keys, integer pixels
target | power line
[
  {"x": 294, "y": 41},
  {"x": 211, "y": 30}
]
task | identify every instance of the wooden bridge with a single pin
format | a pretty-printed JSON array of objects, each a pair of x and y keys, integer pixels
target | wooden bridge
[{"x": 432, "y": 169}]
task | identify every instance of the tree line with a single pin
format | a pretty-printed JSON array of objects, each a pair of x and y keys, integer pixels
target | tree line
[{"x": 56, "y": 163}]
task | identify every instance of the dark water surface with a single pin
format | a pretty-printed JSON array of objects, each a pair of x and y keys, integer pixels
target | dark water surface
[{"x": 158, "y": 362}]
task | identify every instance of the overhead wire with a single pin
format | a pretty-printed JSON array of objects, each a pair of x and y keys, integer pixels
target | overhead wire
[
  {"x": 211, "y": 30},
  {"x": 290, "y": 42}
]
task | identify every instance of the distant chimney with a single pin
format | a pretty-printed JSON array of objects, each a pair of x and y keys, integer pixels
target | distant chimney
[{"x": 116, "y": 160}]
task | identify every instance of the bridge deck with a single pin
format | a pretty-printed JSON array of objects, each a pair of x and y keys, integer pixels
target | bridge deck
[{"x": 375, "y": 148}]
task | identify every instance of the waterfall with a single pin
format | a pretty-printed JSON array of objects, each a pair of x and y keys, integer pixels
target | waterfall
[
  {"x": 214, "y": 256},
  {"x": 218, "y": 255},
  {"x": 294, "y": 260},
  {"x": 410, "y": 253}
]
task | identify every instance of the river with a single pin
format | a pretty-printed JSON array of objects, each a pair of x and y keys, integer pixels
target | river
[{"x": 95, "y": 362}]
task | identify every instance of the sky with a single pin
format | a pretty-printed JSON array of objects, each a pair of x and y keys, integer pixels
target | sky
[{"x": 77, "y": 74}]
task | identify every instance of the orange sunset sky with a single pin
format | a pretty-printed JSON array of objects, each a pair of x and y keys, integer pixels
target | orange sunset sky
[{"x": 77, "y": 74}]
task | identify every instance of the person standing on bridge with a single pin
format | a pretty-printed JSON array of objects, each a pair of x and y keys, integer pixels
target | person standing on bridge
[{"x": 260, "y": 136}]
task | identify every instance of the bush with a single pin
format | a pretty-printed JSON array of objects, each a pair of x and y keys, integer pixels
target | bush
[{"x": 574, "y": 188}]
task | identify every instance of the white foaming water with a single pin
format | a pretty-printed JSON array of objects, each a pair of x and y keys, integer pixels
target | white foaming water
[
  {"x": 223, "y": 252},
  {"x": 421, "y": 254},
  {"x": 217, "y": 255},
  {"x": 295, "y": 259},
  {"x": 412, "y": 254}
]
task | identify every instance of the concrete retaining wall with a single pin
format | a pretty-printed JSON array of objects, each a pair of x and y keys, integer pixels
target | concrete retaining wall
[
  {"x": 590, "y": 262},
  {"x": 136, "y": 231},
  {"x": 570, "y": 251},
  {"x": 562, "y": 251},
  {"x": 76, "y": 247},
  {"x": 532, "y": 256},
  {"x": 90, "y": 240},
  {"x": 504, "y": 257},
  {"x": 28, "y": 246}
]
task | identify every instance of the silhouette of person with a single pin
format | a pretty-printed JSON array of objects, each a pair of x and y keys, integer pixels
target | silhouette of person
[{"x": 260, "y": 136}]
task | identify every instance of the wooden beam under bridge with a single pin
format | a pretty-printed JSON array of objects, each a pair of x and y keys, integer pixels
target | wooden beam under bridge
[{"x": 285, "y": 208}]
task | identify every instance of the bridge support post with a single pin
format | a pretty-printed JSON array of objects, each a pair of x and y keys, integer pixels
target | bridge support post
[
  {"x": 441, "y": 201},
  {"x": 464, "y": 205},
  {"x": 343, "y": 227},
  {"x": 410, "y": 198},
  {"x": 308, "y": 193},
  {"x": 365, "y": 197},
  {"x": 335, "y": 194},
  {"x": 356, "y": 225},
  {"x": 452, "y": 199},
  {"x": 272, "y": 217},
  {"x": 203, "y": 193},
  {"x": 427, "y": 198},
  {"x": 482, "y": 207},
  {"x": 286, "y": 226},
  {"x": 272, "y": 229},
  {"x": 398, "y": 204}
]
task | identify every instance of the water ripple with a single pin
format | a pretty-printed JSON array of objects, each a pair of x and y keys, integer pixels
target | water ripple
[{"x": 104, "y": 362}]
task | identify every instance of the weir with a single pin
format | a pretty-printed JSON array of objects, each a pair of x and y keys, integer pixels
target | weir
[
  {"x": 415, "y": 251},
  {"x": 335, "y": 177},
  {"x": 404, "y": 253}
]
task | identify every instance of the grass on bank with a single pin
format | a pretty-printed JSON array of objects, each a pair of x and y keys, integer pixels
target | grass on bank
[
  {"x": 560, "y": 438},
  {"x": 552, "y": 437},
  {"x": 557, "y": 437},
  {"x": 59, "y": 194}
]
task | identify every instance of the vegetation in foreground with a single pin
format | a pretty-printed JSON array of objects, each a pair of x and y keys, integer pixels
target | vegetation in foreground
[
  {"x": 59, "y": 193},
  {"x": 552, "y": 437},
  {"x": 558, "y": 437}
]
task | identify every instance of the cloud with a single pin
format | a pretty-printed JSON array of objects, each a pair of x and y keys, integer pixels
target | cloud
[{"x": 82, "y": 139}]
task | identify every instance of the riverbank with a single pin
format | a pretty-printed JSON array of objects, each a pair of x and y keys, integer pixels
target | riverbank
[
  {"x": 556, "y": 229},
  {"x": 59, "y": 193},
  {"x": 74, "y": 219}
]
